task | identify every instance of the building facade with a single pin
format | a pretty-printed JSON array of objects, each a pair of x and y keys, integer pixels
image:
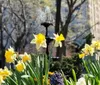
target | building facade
[{"x": 94, "y": 17}]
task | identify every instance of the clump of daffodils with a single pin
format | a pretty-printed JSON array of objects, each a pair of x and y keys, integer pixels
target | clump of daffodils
[
  {"x": 90, "y": 49},
  {"x": 11, "y": 56},
  {"x": 4, "y": 73},
  {"x": 23, "y": 59}
]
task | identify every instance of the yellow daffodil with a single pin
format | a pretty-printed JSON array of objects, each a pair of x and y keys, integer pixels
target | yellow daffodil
[
  {"x": 82, "y": 55},
  {"x": 88, "y": 50},
  {"x": 20, "y": 66},
  {"x": 25, "y": 57},
  {"x": 51, "y": 73},
  {"x": 10, "y": 55},
  {"x": 39, "y": 40},
  {"x": 58, "y": 39},
  {"x": 96, "y": 45},
  {"x": 5, "y": 72}
]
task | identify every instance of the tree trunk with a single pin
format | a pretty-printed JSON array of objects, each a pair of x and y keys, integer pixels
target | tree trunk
[
  {"x": 57, "y": 23},
  {"x": 2, "y": 47},
  {"x": 62, "y": 51},
  {"x": 64, "y": 30},
  {"x": 58, "y": 15}
]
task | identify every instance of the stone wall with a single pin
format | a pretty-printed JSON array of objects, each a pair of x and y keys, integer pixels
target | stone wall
[{"x": 94, "y": 17}]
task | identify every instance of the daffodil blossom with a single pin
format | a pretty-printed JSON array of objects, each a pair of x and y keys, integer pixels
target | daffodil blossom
[
  {"x": 10, "y": 55},
  {"x": 20, "y": 66},
  {"x": 39, "y": 40},
  {"x": 25, "y": 57},
  {"x": 58, "y": 39},
  {"x": 4, "y": 73},
  {"x": 96, "y": 45},
  {"x": 88, "y": 50},
  {"x": 82, "y": 81}
]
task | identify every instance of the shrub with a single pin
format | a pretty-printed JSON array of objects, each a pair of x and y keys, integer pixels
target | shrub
[{"x": 67, "y": 64}]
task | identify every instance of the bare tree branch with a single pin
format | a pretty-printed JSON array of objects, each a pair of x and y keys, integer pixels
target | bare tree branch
[
  {"x": 74, "y": 2},
  {"x": 23, "y": 11},
  {"x": 15, "y": 12},
  {"x": 77, "y": 14},
  {"x": 68, "y": 3},
  {"x": 9, "y": 34},
  {"x": 78, "y": 5},
  {"x": 17, "y": 16},
  {"x": 8, "y": 38},
  {"x": 71, "y": 1}
]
